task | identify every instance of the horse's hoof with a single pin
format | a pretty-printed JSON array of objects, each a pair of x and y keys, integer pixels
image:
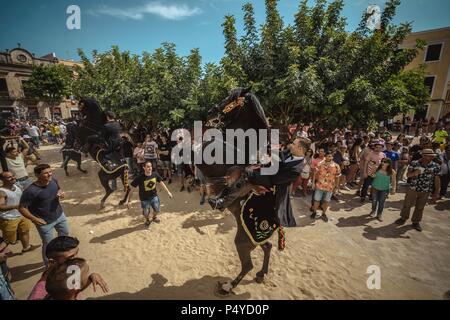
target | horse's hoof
[
  {"x": 221, "y": 292},
  {"x": 102, "y": 205},
  {"x": 259, "y": 279},
  {"x": 121, "y": 203}
]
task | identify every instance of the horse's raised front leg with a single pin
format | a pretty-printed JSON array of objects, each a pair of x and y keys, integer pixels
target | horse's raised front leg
[{"x": 266, "y": 247}]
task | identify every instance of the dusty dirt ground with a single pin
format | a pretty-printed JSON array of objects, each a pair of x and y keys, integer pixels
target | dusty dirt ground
[{"x": 192, "y": 249}]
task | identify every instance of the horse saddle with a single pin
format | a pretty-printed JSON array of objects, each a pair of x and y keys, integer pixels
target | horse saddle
[
  {"x": 110, "y": 162},
  {"x": 259, "y": 216}
]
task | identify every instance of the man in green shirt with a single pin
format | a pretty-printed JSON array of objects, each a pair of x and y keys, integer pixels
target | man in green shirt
[{"x": 440, "y": 135}]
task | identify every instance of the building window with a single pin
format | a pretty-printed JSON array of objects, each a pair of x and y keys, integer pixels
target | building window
[
  {"x": 33, "y": 112},
  {"x": 447, "y": 98},
  {"x": 433, "y": 52},
  {"x": 3, "y": 88},
  {"x": 22, "y": 58},
  {"x": 429, "y": 82}
]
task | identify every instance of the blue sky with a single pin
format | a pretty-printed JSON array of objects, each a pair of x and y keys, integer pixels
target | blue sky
[{"x": 142, "y": 25}]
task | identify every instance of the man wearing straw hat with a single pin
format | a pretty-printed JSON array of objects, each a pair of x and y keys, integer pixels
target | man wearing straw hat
[{"x": 423, "y": 178}]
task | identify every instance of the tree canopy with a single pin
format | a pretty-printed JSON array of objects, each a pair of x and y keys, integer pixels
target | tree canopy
[
  {"x": 312, "y": 71},
  {"x": 159, "y": 88},
  {"x": 49, "y": 83}
]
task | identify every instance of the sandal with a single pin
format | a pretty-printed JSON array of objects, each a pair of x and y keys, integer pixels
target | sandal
[{"x": 30, "y": 248}]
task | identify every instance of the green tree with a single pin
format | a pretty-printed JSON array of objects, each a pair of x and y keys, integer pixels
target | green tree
[
  {"x": 49, "y": 83},
  {"x": 314, "y": 71},
  {"x": 156, "y": 89}
]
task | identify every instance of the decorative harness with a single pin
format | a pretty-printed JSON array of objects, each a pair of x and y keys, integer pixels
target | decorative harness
[
  {"x": 217, "y": 121},
  {"x": 239, "y": 102}
]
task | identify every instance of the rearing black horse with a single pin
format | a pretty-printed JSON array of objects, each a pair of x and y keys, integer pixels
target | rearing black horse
[
  {"x": 71, "y": 150},
  {"x": 242, "y": 110},
  {"x": 89, "y": 134}
]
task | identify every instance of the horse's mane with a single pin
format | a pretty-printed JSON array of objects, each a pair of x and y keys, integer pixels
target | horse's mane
[
  {"x": 92, "y": 111},
  {"x": 259, "y": 109},
  {"x": 236, "y": 93}
]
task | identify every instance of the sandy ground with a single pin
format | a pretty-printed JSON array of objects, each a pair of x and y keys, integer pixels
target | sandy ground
[{"x": 192, "y": 249}]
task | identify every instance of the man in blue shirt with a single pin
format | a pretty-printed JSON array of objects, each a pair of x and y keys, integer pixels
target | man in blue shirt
[
  {"x": 40, "y": 203},
  {"x": 393, "y": 155}
]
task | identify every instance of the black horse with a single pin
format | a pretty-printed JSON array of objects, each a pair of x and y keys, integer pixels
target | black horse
[
  {"x": 242, "y": 110},
  {"x": 89, "y": 134},
  {"x": 74, "y": 155},
  {"x": 71, "y": 150}
]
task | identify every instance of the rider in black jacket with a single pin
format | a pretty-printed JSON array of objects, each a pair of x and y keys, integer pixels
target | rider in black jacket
[{"x": 111, "y": 135}]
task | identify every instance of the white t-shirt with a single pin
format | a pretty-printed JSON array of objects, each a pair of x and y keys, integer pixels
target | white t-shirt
[
  {"x": 12, "y": 199},
  {"x": 33, "y": 131},
  {"x": 62, "y": 128},
  {"x": 150, "y": 150},
  {"x": 17, "y": 167}
]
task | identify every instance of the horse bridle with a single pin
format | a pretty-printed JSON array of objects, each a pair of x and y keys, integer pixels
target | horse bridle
[{"x": 217, "y": 122}]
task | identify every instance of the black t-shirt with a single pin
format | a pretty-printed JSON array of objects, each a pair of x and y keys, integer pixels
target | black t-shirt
[
  {"x": 416, "y": 152},
  {"x": 165, "y": 147},
  {"x": 127, "y": 149},
  {"x": 147, "y": 185},
  {"x": 43, "y": 202}
]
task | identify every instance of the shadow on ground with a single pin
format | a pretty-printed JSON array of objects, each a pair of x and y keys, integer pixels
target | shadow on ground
[
  {"x": 195, "y": 289},
  {"x": 26, "y": 271},
  {"x": 392, "y": 231},
  {"x": 224, "y": 221},
  {"x": 117, "y": 234}
]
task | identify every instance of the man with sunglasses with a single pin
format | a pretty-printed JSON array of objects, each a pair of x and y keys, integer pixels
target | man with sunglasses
[
  {"x": 12, "y": 223},
  {"x": 40, "y": 203}
]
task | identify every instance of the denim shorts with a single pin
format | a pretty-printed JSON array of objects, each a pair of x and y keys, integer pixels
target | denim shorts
[
  {"x": 153, "y": 203},
  {"x": 321, "y": 195}
]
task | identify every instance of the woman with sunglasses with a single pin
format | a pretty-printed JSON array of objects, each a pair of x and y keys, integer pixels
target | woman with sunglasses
[{"x": 383, "y": 182}]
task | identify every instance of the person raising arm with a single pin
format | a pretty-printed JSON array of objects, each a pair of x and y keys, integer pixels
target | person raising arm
[{"x": 146, "y": 182}]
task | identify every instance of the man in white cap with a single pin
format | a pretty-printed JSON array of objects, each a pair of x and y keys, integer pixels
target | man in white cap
[{"x": 423, "y": 178}]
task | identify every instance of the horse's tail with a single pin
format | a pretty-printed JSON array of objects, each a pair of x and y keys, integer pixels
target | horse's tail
[{"x": 281, "y": 238}]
